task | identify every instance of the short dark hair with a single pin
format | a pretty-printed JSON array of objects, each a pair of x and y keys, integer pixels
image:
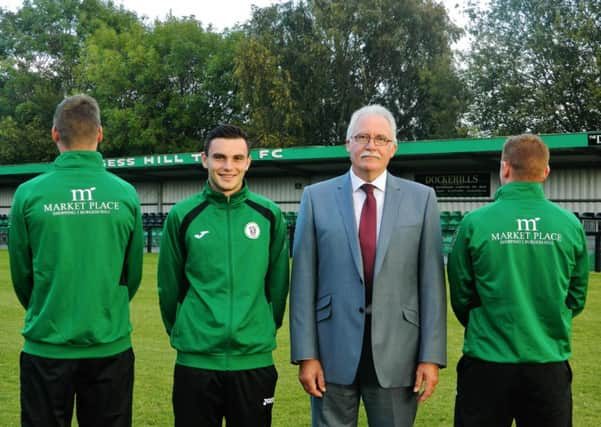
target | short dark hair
[
  {"x": 77, "y": 117},
  {"x": 527, "y": 155},
  {"x": 226, "y": 131}
]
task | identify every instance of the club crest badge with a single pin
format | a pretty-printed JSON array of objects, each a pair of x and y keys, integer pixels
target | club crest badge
[{"x": 252, "y": 230}]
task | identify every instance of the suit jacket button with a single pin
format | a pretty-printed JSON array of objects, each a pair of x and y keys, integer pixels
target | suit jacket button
[{"x": 361, "y": 310}]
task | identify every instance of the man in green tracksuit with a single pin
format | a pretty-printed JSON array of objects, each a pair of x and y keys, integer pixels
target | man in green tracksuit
[
  {"x": 223, "y": 282},
  {"x": 76, "y": 247},
  {"x": 518, "y": 274}
]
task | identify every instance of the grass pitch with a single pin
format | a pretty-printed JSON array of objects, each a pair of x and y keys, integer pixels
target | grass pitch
[{"x": 155, "y": 358}]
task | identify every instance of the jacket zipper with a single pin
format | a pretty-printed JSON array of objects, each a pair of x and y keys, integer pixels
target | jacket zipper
[{"x": 231, "y": 285}]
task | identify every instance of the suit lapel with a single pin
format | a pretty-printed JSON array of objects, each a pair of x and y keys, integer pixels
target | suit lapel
[
  {"x": 344, "y": 201},
  {"x": 390, "y": 212}
]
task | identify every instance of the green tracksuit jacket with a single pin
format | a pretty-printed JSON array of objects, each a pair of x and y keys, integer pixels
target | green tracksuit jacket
[
  {"x": 518, "y": 274},
  {"x": 76, "y": 247},
  {"x": 223, "y": 279}
]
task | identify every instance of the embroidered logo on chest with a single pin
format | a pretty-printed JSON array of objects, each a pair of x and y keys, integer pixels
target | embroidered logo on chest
[{"x": 252, "y": 230}]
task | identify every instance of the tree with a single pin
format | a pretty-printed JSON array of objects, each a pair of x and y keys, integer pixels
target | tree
[
  {"x": 163, "y": 87},
  {"x": 324, "y": 59},
  {"x": 266, "y": 85},
  {"x": 39, "y": 53},
  {"x": 535, "y": 66},
  {"x": 397, "y": 54},
  {"x": 160, "y": 86},
  {"x": 291, "y": 76}
]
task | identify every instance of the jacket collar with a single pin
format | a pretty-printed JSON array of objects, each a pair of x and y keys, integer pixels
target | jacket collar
[
  {"x": 220, "y": 199},
  {"x": 77, "y": 159},
  {"x": 520, "y": 190}
]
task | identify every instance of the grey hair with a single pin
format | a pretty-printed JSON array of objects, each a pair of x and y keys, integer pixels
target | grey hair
[{"x": 373, "y": 109}]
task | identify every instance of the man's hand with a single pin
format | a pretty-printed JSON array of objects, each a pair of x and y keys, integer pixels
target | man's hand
[
  {"x": 310, "y": 375},
  {"x": 426, "y": 378}
]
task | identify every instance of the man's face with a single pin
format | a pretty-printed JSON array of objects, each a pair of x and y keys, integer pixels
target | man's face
[
  {"x": 370, "y": 160},
  {"x": 227, "y": 161}
]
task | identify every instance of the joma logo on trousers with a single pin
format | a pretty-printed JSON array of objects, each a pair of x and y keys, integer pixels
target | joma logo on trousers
[
  {"x": 527, "y": 224},
  {"x": 82, "y": 194}
]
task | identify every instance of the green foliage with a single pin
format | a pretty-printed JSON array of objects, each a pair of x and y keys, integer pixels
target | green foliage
[
  {"x": 163, "y": 87},
  {"x": 306, "y": 66},
  {"x": 39, "y": 55},
  {"x": 160, "y": 87},
  {"x": 296, "y": 71},
  {"x": 28, "y": 101},
  {"x": 266, "y": 87},
  {"x": 535, "y": 66}
]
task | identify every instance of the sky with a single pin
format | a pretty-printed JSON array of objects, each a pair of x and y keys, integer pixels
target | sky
[{"x": 220, "y": 13}]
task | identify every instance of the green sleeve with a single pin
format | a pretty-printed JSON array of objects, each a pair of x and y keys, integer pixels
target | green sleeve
[
  {"x": 579, "y": 278},
  {"x": 462, "y": 281},
  {"x": 170, "y": 271},
  {"x": 21, "y": 267},
  {"x": 279, "y": 265},
  {"x": 135, "y": 254}
]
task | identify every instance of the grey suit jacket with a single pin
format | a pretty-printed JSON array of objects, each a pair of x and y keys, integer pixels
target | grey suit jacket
[{"x": 327, "y": 301}]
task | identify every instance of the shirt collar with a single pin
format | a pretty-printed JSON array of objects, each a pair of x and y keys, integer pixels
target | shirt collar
[{"x": 379, "y": 182}]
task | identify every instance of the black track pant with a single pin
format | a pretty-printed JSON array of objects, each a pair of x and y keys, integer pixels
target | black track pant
[
  {"x": 101, "y": 389},
  {"x": 493, "y": 394},
  {"x": 202, "y": 398}
]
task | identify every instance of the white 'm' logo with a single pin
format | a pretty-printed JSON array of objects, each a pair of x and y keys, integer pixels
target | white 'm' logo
[
  {"x": 201, "y": 234},
  {"x": 82, "y": 194},
  {"x": 526, "y": 224}
]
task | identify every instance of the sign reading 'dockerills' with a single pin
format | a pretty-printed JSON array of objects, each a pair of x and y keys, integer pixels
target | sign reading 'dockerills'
[{"x": 457, "y": 184}]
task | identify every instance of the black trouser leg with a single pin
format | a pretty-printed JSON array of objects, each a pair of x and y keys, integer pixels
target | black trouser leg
[
  {"x": 250, "y": 397},
  {"x": 547, "y": 396},
  {"x": 484, "y": 393},
  {"x": 104, "y": 391},
  {"x": 198, "y": 397},
  {"x": 493, "y": 394},
  {"x": 47, "y": 391}
]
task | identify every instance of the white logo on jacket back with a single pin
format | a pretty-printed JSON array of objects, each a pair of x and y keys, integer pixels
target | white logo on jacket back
[
  {"x": 82, "y": 194},
  {"x": 526, "y": 233},
  {"x": 527, "y": 224},
  {"x": 80, "y": 201}
]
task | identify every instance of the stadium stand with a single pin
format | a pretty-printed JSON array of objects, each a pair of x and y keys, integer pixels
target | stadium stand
[
  {"x": 152, "y": 222},
  {"x": 3, "y": 229},
  {"x": 290, "y": 218},
  {"x": 449, "y": 221}
]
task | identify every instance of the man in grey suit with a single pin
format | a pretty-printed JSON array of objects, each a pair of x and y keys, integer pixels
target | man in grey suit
[{"x": 363, "y": 325}]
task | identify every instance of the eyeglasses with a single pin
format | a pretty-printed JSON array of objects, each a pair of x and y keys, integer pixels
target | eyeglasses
[{"x": 379, "y": 140}]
